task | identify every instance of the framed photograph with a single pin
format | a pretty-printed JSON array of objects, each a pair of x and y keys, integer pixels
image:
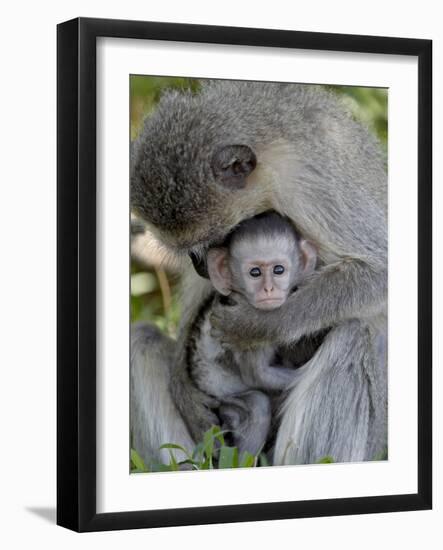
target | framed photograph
[{"x": 244, "y": 274}]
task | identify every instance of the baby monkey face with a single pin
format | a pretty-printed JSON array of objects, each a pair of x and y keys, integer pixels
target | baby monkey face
[
  {"x": 265, "y": 272},
  {"x": 264, "y": 261}
]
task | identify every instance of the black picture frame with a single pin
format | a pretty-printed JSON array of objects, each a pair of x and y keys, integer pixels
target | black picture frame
[{"x": 76, "y": 278}]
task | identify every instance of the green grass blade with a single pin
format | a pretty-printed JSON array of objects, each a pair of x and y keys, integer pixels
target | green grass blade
[
  {"x": 228, "y": 457},
  {"x": 138, "y": 461}
]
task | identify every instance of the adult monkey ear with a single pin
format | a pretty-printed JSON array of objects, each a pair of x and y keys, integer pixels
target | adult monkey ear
[
  {"x": 218, "y": 270},
  {"x": 232, "y": 164}
]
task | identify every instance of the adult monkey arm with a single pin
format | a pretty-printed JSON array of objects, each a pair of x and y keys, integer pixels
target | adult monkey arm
[{"x": 329, "y": 297}]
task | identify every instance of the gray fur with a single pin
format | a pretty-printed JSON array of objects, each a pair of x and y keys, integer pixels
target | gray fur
[
  {"x": 267, "y": 224},
  {"x": 153, "y": 416},
  {"x": 249, "y": 416},
  {"x": 334, "y": 396},
  {"x": 326, "y": 173},
  {"x": 229, "y": 375}
]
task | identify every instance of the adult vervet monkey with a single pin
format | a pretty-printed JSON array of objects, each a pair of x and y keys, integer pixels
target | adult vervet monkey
[{"x": 205, "y": 162}]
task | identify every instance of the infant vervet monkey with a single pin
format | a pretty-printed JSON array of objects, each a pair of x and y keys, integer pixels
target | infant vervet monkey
[{"x": 264, "y": 259}]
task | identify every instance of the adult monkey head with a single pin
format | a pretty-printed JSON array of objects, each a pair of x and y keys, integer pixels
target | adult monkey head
[
  {"x": 195, "y": 207},
  {"x": 197, "y": 168}
]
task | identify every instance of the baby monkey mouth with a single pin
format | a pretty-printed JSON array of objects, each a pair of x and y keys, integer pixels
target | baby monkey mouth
[{"x": 269, "y": 303}]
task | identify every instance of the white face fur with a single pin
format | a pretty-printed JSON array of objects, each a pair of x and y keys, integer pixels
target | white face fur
[{"x": 265, "y": 270}]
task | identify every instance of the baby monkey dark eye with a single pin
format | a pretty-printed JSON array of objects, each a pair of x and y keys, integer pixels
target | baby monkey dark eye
[
  {"x": 255, "y": 272},
  {"x": 279, "y": 269}
]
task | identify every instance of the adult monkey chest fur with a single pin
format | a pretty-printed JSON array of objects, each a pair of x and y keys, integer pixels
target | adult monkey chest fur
[{"x": 203, "y": 163}]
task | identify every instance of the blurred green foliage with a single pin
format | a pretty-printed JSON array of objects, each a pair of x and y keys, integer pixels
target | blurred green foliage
[
  {"x": 154, "y": 297},
  {"x": 369, "y": 106}
]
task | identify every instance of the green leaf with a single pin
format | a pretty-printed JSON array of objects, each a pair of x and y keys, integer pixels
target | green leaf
[
  {"x": 325, "y": 460},
  {"x": 173, "y": 464},
  {"x": 228, "y": 457},
  {"x": 263, "y": 460},
  {"x": 175, "y": 446},
  {"x": 218, "y": 434},
  {"x": 247, "y": 460},
  {"x": 208, "y": 442},
  {"x": 206, "y": 464},
  {"x": 210, "y": 437},
  {"x": 382, "y": 455},
  {"x": 138, "y": 461},
  {"x": 198, "y": 451}
]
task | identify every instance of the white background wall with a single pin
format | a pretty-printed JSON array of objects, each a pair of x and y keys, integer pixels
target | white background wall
[{"x": 27, "y": 288}]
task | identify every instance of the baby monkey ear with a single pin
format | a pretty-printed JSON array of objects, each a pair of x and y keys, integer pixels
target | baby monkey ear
[
  {"x": 218, "y": 270},
  {"x": 309, "y": 255},
  {"x": 232, "y": 164}
]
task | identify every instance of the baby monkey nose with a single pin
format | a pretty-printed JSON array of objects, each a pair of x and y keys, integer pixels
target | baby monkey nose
[{"x": 268, "y": 283}]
